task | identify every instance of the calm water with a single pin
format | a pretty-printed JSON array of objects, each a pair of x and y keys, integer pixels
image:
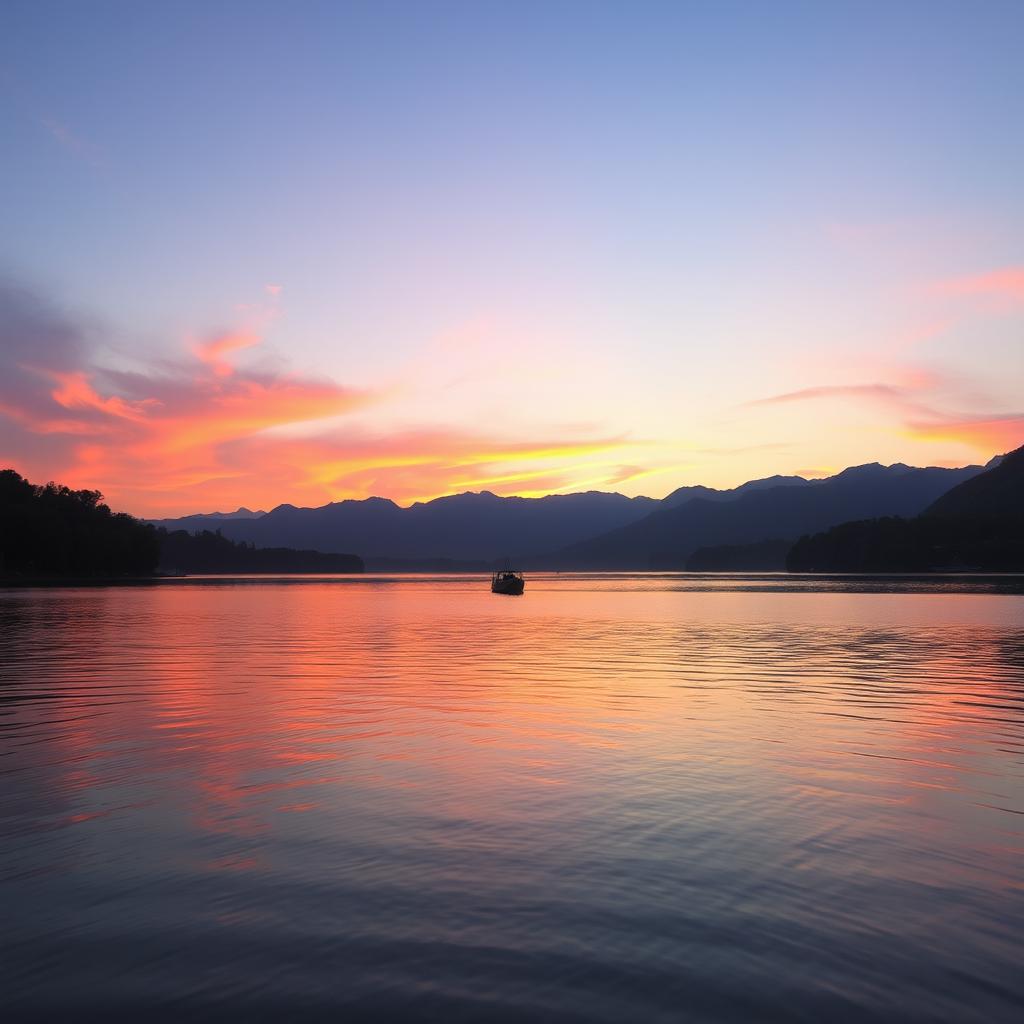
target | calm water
[{"x": 649, "y": 798}]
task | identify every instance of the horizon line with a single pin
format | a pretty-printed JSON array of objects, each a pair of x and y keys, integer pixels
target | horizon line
[{"x": 567, "y": 494}]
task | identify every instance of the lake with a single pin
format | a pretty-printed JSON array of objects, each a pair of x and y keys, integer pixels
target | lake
[{"x": 617, "y": 798}]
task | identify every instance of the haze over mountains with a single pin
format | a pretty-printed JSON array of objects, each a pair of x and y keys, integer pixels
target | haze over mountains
[{"x": 590, "y": 530}]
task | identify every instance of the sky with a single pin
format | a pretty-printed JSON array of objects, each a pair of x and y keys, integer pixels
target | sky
[{"x": 254, "y": 253}]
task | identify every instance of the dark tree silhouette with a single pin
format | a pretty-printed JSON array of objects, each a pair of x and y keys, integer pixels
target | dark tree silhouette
[
  {"x": 761, "y": 556},
  {"x": 52, "y": 530},
  {"x": 924, "y": 544},
  {"x": 208, "y": 552}
]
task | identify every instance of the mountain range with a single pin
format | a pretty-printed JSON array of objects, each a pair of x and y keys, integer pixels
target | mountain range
[
  {"x": 667, "y": 537},
  {"x": 589, "y": 530},
  {"x": 977, "y": 525},
  {"x": 470, "y": 527}
]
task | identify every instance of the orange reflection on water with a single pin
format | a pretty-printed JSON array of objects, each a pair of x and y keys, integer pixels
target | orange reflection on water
[
  {"x": 407, "y": 783},
  {"x": 400, "y": 697}
]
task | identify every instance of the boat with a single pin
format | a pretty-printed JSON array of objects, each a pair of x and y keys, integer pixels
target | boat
[{"x": 507, "y": 581}]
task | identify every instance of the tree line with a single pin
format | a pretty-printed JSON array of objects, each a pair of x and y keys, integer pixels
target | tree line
[
  {"x": 49, "y": 530},
  {"x": 52, "y": 530},
  {"x": 979, "y": 524},
  {"x": 207, "y": 551},
  {"x": 925, "y": 544}
]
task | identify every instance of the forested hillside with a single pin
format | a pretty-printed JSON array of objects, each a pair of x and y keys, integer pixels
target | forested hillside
[{"x": 52, "y": 530}]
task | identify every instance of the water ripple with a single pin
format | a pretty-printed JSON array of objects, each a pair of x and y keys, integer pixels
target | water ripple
[{"x": 618, "y": 798}]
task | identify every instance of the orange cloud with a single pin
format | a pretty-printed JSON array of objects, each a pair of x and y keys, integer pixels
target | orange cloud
[
  {"x": 74, "y": 391},
  {"x": 208, "y": 434},
  {"x": 997, "y": 433},
  {"x": 418, "y": 464},
  {"x": 215, "y": 351}
]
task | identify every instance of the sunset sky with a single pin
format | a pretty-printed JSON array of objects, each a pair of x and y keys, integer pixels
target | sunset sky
[{"x": 264, "y": 252}]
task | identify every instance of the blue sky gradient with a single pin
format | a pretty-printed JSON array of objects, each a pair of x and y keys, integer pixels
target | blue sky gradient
[{"x": 641, "y": 219}]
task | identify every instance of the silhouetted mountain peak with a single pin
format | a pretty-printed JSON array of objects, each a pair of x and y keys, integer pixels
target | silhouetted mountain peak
[
  {"x": 864, "y": 472},
  {"x": 688, "y": 493},
  {"x": 976, "y": 524},
  {"x": 346, "y": 503},
  {"x": 462, "y": 500},
  {"x": 778, "y": 480},
  {"x": 240, "y": 513},
  {"x": 681, "y": 495},
  {"x": 878, "y": 471},
  {"x": 996, "y": 493},
  {"x": 750, "y": 515}
]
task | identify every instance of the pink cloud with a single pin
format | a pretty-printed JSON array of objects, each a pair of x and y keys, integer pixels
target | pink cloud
[
  {"x": 883, "y": 392},
  {"x": 917, "y": 409},
  {"x": 214, "y": 351},
  {"x": 1006, "y": 283}
]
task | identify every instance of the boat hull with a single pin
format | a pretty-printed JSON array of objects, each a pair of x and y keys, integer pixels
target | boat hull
[{"x": 513, "y": 588}]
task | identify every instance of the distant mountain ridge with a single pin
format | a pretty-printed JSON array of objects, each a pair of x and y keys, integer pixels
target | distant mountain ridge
[
  {"x": 203, "y": 518},
  {"x": 592, "y": 529},
  {"x": 466, "y": 527},
  {"x": 684, "y": 494},
  {"x": 977, "y": 525},
  {"x": 998, "y": 493},
  {"x": 667, "y": 537}
]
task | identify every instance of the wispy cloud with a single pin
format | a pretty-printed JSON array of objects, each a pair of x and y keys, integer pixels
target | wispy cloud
[
  {"x": 1005, "y": 283},
  {"x": 918, "y": 409},
  {"x": 883, "y": 392},
  {"x": 73, "y": 143}
]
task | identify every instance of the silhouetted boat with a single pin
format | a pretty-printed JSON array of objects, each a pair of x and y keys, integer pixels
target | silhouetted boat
[{"x": 507, "y": 582}]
